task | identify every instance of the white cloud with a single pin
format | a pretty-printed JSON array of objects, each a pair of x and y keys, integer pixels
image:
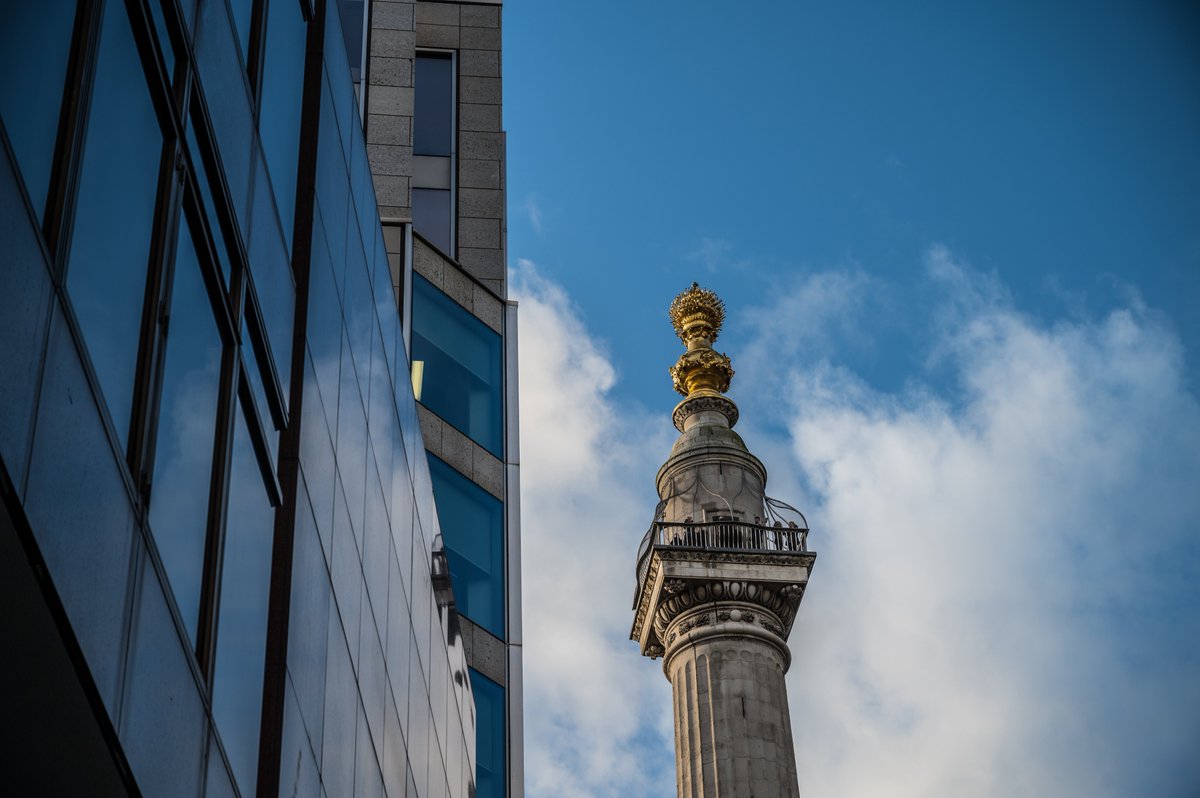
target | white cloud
[
  {"x": 594, "y": 708},
  {"x": 533, "y": 212},
  {"x": 1007, "y": 594}
]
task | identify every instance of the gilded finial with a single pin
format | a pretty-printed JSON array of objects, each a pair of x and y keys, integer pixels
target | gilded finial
[{"x": 697, "y": 315}]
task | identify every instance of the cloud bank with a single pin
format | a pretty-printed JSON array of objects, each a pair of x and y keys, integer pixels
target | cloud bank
[{"x": 1006, "y": 599}]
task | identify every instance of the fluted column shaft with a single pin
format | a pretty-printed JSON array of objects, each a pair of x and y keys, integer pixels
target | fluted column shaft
[{"x": 733, "y": 733}]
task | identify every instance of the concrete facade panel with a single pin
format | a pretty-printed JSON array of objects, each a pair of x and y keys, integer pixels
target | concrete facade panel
[
  {"x": 391, "y": 43},
  {"x": 480, "y": 38},
  {"x": 392, "y": 130},
  {"x": 485, "y": 63},
  {"x": 473, "y": 89},
  {"x": 391, "y": 71},
  {"x": 485, "y": 118},
  {"x": 440, "y": 36},
  {"x": 438, "y": 14},
  {"x": 474, "y": 173},
  {"x": 474, "y": 16},
  {"x": 392, "y": 16}
]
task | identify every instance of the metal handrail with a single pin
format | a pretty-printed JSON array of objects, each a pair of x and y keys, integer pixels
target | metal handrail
[{"x": 721, "y": 535}]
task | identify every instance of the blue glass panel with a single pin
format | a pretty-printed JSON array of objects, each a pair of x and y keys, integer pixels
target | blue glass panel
[
  {"x": 324, "y": 320},
  {"x": 282, "y": 91},
  {"x": 242, "y": 623},
  {"x": 489, "y": 737},
  {"x": 80, "y": 512},
  {"x": 431, "y": 209},
  {"x": 242, "y": 10},
  {"x": 351, "y": 13},
  {"x": 204, "y": 183},
  {"x": 186, "y": 433},
  {"x": 472, "y": 522},
  {"x": 352, "y": 441},
  {"x": 258, "y": 380},
  {"x": 273, "y": 283},
  {"x": 311, "y": 592},
  {"x": 24, "y": 310},
  {"x": 35, "y": 45},
  {"x": 337, "y": 78},
  {"x": 341, "y": 715},
  {"x": 457, "y": 366},
  {"x": 164, "y": 40},
  {"x": 115, "y": 212},
  {"x": 164, "y": 748},
  {"x": 223, "y": 82},
  {"x": 433, "y": 116}
]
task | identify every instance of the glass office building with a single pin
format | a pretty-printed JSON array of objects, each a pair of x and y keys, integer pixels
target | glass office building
[{"x": 223, "y": 568}]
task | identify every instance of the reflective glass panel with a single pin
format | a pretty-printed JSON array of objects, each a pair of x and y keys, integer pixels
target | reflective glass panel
[
  {"x": 35, "y": 45},
  {"x": 242, "y": 10},
  {"x": 204, "y": 184},
  {"x": 242, "y": 621},
  {"x": 279, "y": 119},
  {"x": 351, "y": 12},
  {"x": 489, "y": 737},
  {"x": 472, "y": 522},
  {"x": 432, "y": 209},
  {"x": 433, "y": 112},
  {"x": 164, "y": 39},
  {"x": 110, "y": 248},
  {"x": 186, "y": 432},
  {"x": 258, "y": 379},
  {"x": 456, "y": 364}
]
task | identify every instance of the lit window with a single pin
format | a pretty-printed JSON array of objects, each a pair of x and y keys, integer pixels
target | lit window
[
  {"x": 457, "y": 366},
  {"x": 433, "y": 149}
]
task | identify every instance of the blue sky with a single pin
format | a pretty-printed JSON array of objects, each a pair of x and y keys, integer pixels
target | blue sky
[
  {"x": 960, "y": 251},
  {"x": 1052, "y": 143}
]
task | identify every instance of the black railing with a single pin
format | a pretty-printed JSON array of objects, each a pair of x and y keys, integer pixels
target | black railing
[{"x": 721, "y": 535}]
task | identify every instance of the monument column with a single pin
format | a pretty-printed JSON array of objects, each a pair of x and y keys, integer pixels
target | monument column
[{"x": 721, "y": 572}]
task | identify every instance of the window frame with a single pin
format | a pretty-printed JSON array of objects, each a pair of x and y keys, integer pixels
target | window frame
[{"x": 452, "y": 182}]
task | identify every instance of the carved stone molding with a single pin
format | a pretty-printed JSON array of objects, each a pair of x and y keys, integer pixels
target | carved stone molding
[
  {"x": 699, "y": 404},
  {"x": 769, "y": 598}
]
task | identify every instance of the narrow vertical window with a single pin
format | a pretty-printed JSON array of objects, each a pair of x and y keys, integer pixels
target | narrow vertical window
[
  {"x": 351, "y": 13},
  {"x": 434, "y": 149},
  {"x": 472, "y": 523},
  {"x": 186, "y": 438},
  {"x": 490, "y": 738},
  {"x": 282, "y": 96},
  {"x": 242, "y": 621},
  {"x": 457, "y": 366},
  {"x": 118, "y": 186},
  {"x": 35, "y": 46}
]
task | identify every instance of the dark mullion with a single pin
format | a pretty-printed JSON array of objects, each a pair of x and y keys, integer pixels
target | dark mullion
[
  {"x": 155, "y": 323},
  {"x": 256, "y": 46},
  {"x": 258, "y": 436},
  {"x": 153, "y": 62},
  {"x": 157, "y": 78},
  {"x": 256, "y": 328},
  {"x": 282, "y": 554},
  {"x": 72, "y": 124},
  {"x": 166, "y": 218},
  {"x": 206, "y": 243},
  {"x": 227, "y": 223},
  {"x": 214, "y": 546}
]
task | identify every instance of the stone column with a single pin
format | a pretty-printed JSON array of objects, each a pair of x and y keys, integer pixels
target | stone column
[{"x": 726, "y": 659}]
